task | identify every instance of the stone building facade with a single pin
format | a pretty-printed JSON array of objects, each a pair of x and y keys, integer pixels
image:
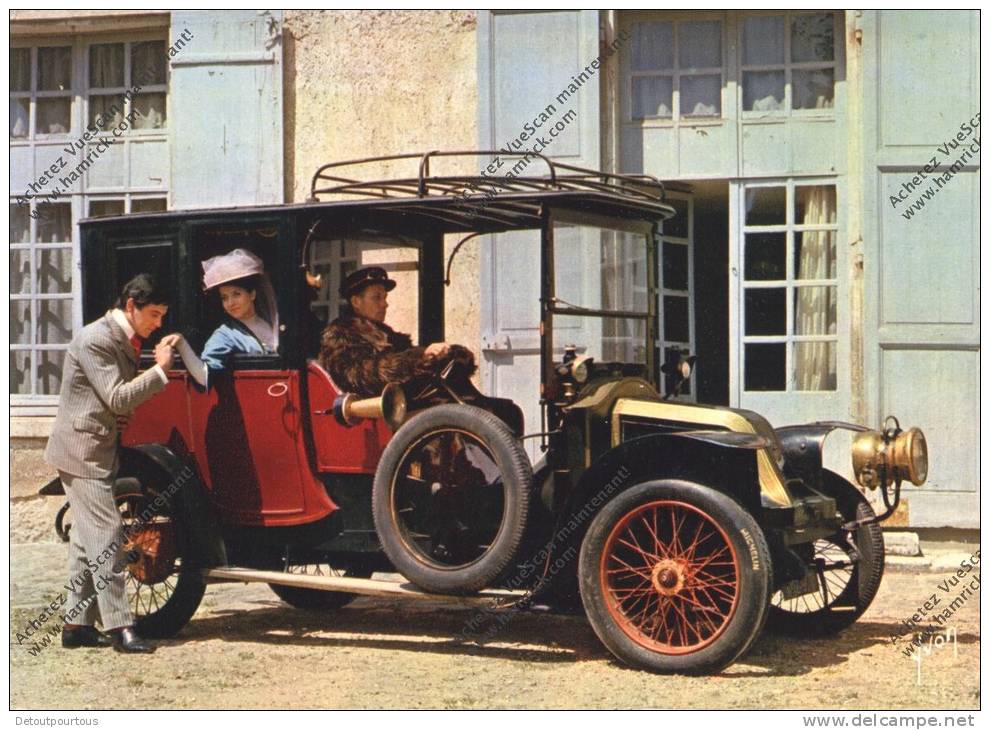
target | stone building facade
[{"x": 781, "y": 133}]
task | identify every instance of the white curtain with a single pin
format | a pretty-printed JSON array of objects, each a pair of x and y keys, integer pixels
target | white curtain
[
  {"x": 815, "y": 306},
  {"x": 149, "y": 111},
  {"x": 18, "y": 118},
  {"x": 623, "y": 267},
  {"x": 106, "y": 66},
  {"x": 54, "y": 69},
  {"x": 613, "y": 295},
  {"x": 763, "y": 44}
]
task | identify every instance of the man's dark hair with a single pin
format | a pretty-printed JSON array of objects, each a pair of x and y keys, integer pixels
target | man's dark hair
[{"x": 144, "y": 290}]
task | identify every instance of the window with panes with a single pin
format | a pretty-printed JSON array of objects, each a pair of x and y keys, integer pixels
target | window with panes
[
  {"x": 113, "y": 68},
  {"x": 790, "y": 287},
  {"x": 58, "y": 90},
  {"x": 41, "y": 300},
  {"x": 675, "y": 69},
  {"x": 788, "y": 62},
  {"x": 333, "y": 261},
  {"x": 41, "y": 91}
]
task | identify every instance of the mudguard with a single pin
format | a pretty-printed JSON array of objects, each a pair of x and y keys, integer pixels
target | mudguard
[
  {"x": 802, "y": 448},
  {"x": 205, "y": 546},
  {"x": 721, "y": 460}
]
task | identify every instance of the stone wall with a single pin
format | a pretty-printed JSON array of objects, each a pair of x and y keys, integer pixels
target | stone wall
[{"x": 361, "y": 84}]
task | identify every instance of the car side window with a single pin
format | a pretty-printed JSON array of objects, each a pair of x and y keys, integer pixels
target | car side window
[
  {"x": 333, "y": 259},
  {"x": 238, "y": 302}
]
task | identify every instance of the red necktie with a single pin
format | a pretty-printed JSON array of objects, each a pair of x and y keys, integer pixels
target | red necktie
[{"x": 136, "y": 343}]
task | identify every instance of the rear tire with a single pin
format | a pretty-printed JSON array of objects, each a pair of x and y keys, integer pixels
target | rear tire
[
  {"x": 675, "y": 577},
  {"x": 311, "y": 599},
  {"x": 163, "y": 593}
]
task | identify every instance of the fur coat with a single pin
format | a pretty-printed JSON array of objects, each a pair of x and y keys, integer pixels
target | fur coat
[{"x": 363, "y": 356}]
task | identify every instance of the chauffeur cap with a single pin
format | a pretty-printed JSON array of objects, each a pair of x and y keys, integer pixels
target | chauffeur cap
[{"x": 357, "y": 281}]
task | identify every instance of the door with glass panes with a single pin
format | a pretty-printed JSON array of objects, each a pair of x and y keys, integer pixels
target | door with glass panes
[
  {"x": 677, "y": 334},
  {"x": 790, "y": 345}
]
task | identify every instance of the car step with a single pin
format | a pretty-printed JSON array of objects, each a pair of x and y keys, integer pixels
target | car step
[{"x": 362, "y": 586}]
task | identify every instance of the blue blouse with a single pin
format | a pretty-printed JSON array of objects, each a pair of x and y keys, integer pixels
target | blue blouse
[{"x": 228, "y": 340}]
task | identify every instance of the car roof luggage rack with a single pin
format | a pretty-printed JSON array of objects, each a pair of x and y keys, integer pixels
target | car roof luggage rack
[{"x": 330, "y": 180}]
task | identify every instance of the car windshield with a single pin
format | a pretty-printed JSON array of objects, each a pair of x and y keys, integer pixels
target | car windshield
[{"x": 601, "y": 290}]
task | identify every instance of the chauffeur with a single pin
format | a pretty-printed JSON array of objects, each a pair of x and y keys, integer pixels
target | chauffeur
[{"x": 363, "y": 354}]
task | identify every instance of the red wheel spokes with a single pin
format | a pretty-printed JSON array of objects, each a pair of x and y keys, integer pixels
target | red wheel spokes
[
  {"x": 627, "y": 568},
  {"x": 640, "y": 550},
  {"x": 670, "y": 576}
]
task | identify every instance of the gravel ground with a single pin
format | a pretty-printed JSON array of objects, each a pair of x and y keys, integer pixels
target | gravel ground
[{"x": 245, "y": 649}]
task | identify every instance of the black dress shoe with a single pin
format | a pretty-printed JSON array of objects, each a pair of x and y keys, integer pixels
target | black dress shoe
[
  {"x": 84, "y": 636},
  {"x": 128, "y": 641}
]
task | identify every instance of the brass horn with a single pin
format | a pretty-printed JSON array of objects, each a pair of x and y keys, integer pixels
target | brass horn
[{"x": 390, "y": 405}]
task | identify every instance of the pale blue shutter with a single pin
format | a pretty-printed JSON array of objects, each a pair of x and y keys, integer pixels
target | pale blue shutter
[
  {"x": 922, "y": 329},
  {"x": 525, "y": 60},
  {"x": 226, "y": 108}
]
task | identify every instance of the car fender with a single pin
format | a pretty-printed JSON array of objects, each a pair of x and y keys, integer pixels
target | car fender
[
  {"x": 723, "y": 461},
  {"x": 720, "y": 460},
  {"x": 138, "y": 464},
  {"x": 802, "y": 448}
]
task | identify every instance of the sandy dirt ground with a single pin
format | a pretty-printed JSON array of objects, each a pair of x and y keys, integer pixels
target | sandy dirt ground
[{"x": 246, "y": 649}]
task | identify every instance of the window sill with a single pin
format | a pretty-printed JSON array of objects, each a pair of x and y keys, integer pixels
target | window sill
[
  {"x": 682, "y": 123},
  {"x": 781, "y": 116}
]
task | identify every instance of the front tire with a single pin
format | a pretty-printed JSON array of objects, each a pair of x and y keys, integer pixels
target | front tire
[
  {"x": 846, "y": 588},
  {"x": 675, "y": 577}
]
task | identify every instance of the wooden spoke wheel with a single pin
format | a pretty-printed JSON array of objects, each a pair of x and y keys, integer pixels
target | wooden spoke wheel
[
  {"x": 671, "y": 576},
  {"x": 162, "y": 594},
  {"x": 675, "y": 577}
]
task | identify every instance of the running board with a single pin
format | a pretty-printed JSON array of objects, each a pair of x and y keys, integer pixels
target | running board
[{"x": 361, "y": 586}]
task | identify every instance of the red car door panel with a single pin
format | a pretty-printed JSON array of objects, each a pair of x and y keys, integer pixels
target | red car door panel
[
  {"x": 250, "y": 447},
  {"x": 342, "y": 449}
]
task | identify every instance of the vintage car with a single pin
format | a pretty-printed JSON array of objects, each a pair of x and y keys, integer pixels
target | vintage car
[{"x": 679, "y": 529}]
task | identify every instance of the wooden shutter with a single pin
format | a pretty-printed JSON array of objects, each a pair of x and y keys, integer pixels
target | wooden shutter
[{"x": 226, "y": 108}]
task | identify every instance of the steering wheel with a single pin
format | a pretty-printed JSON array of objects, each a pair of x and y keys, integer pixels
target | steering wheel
[{"x": 439, "y": 385}]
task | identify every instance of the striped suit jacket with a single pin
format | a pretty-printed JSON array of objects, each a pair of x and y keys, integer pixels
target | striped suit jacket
[{"x": 99, "y": 382}]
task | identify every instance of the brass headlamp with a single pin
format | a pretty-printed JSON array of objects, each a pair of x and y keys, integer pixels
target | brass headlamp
[{"x": 881, "y": 458}]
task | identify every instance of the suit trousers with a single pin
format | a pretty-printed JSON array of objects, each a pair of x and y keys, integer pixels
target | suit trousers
[{"x": 96, "y": 544}]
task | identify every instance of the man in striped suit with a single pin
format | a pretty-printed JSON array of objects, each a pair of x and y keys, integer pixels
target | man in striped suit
[{"x": 100, "y": 388}]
